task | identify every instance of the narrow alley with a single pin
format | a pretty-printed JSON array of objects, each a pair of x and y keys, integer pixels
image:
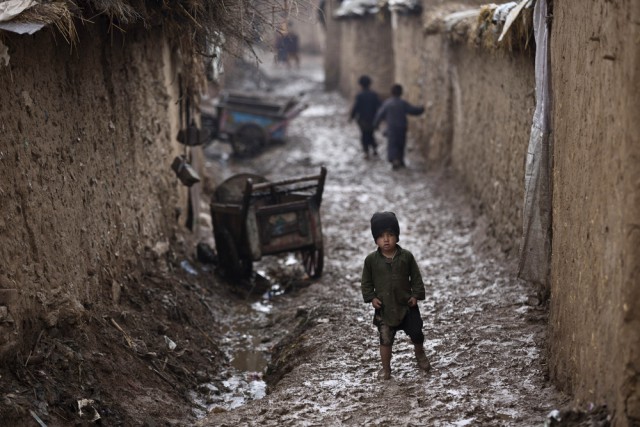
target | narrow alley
[{"x": 485, "y": 333}]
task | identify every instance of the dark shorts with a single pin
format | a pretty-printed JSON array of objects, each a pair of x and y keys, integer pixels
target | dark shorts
[{"x": 411, "y": 325}]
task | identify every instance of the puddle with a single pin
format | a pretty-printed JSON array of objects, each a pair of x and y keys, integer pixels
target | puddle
[
  {"x": 247, "y": 349},
  {"x": 240, "y": 389},
  {"x": 249, "y": 361},
  {"x": 247, "y": 346}
]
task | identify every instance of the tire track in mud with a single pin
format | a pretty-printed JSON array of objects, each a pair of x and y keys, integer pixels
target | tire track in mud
[{"x": 485, "y": 342}]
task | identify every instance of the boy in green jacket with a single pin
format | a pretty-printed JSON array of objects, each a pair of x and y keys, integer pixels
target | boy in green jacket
[{"x": 392, "y": 283}]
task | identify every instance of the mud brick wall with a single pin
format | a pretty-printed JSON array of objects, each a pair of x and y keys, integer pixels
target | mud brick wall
[
  {"x": 366, "y": 48},
  {"x": 409, "y": 67},
  {"x": 595, "y": 297},
  {"x": 437, "y": 126},
  {"x": 492, "y": 104},
  {"x": 86, "y": 187},
  {"x": 437, "y": 71},
  {"x": 332, "y": 42}
]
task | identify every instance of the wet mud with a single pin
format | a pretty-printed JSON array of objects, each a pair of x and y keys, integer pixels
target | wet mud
[{"x": 485, "y": 330}]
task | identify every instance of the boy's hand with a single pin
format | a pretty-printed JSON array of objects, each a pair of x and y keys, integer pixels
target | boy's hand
[
  {"x": 376, "y": 303},
  {"x": 412, "y": 302}
]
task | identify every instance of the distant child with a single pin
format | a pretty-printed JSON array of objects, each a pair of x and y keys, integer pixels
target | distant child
[
  {"x": 292, "y": 46},
  {"x": 364, "y": 111},
  {"x": 392, "y": 283},
  {"x": 280, "y": 41},
  {"x": 394, "y": 111}
]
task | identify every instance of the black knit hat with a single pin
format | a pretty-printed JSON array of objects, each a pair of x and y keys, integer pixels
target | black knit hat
[{"x": 384, "y": 221}]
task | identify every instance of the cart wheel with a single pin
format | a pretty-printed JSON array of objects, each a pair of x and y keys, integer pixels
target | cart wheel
[
  {"x": 248, "y": 140},
  {"x": 313, "y": 261},
  {"x": 230, "y": 261}
]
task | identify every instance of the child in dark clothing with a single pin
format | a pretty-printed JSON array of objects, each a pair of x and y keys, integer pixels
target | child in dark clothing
[
  {"x": 392, "y": 283},
  {"x": 364, "y": 111},
  {"x": 394, "y": 111}
]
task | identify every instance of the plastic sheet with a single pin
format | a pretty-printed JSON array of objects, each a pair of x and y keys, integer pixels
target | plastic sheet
[
  {"x": 356, "y": 8},
  {"x": 536, "y": 243},
  {"x": 513, "y": 12},
  {"x": 12, "y": 8}
]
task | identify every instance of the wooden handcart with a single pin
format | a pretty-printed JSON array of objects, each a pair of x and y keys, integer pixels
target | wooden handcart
[{"x": 253, "y": 217}]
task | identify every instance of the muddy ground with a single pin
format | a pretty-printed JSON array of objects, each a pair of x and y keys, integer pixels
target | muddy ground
[{"x": 184, "y": 346}]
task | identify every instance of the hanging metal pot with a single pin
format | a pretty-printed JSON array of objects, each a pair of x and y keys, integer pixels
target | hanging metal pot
[
  {"x": 185, "y": 172},
  {"x": 190, "y": 136}
]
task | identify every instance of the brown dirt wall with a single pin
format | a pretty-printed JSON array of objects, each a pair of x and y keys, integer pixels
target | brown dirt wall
[
  {"x": 437, "y": 124},
  {"x": 332, "y": 51},
  {"x": 409, "y": 65},
  {"x": 493, "y": 103},
  {"x": 366, "y": 48},
  {"x": 86, "y": 187},
  {"x": 423, "y": 57},
  {"x": 594, "y": 317}
]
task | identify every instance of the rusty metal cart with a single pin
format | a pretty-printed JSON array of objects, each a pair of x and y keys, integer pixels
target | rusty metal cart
[
  {"x": 250, "y": 121},
  {"x": 253, "y": 217}
]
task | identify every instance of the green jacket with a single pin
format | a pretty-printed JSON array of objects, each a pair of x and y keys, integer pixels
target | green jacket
[{"x": 392, "y": 283}]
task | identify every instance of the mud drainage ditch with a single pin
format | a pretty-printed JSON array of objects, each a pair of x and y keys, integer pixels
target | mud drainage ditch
[
  {"x": 247, "y": 340},
  {"x": 248, "y": 353}
]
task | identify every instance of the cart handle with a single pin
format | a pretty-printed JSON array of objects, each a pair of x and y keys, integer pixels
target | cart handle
[
  {"x": 266, "y": 185},
  {"x": 271, "y": 186}
]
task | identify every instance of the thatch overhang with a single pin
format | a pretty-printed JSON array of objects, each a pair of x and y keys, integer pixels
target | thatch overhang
[
  {"x": 505, "y": 27},
  {"x": 194, "y": 25}
]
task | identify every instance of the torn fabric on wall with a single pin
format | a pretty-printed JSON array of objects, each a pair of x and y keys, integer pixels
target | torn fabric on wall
[{"x": 535, "y": 251}]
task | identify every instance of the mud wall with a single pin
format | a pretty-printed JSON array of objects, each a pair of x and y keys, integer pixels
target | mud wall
[
  {"x": 86, "y": 189},
  {"x": 492, "y": 109},
  {"x": 409, "y": 64},
  {"x": 332, "y": 43},
  {"x": 479, "y": 105},
  {"x": 437, "y": 127},
  {"x": 366, "y": 48},
  {"x": 304, "y": 20},
  {"x": 595, "y": 298}
]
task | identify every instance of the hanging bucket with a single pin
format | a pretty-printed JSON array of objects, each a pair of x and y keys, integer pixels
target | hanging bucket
[{"x": 185, "y": 172}]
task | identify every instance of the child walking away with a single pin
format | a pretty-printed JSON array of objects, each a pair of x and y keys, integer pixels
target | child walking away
[
  {"x": 364, "y": 111},
  {"x": 392, "y": 283},
  {"x": 394, "y": 111}
]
